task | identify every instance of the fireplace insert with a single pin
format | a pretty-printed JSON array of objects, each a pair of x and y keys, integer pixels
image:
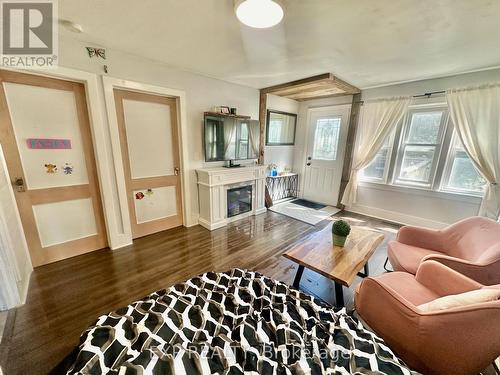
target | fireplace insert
[{"x": 239, "y": 200}]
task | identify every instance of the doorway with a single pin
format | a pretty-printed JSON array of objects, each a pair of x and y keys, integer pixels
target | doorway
[
  {"x": 45, "y": 133},
  {"x": 149, "y": 144},
  {"x": 325, "y": 149}
]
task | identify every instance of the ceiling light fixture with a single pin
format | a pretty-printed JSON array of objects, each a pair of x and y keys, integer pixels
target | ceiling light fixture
[{"x": 260, "y": 14}]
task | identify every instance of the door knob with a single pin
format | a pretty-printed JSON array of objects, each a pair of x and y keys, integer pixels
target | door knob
[
  {"x": 19, "y": 184},
  {"x": 176, "y": 171},
  {"x": 308, "y": 164}
]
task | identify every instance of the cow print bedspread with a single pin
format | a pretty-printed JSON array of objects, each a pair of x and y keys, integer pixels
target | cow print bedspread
[{"x": 236, "y": 322}]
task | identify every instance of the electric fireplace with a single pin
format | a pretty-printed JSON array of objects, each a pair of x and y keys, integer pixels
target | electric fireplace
[{"x": 239, "y": 200}]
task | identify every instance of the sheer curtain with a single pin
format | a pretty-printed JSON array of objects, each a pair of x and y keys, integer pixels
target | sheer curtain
[
  {"x": 476, "y": 116},
  {"x": 377, "y": 120}
]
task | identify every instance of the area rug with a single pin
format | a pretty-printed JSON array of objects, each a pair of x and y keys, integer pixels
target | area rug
[{"x": 305, "y": 214}]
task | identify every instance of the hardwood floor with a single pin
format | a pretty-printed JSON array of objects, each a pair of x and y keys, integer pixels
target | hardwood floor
[{"x": 66, "y": 297}]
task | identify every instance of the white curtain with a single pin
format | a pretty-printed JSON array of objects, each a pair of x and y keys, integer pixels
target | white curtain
[
  {"x": 377, "y": 120},
  {"x": 476, "y": 116}
]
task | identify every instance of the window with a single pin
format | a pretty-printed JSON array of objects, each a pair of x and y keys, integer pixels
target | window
[
  {"x": 460, "y": 173},
  {"x": 425, "y": 153},
  {"x": 420, "y": 148},
  {"x": 326, "y": 138},
  {"x": 376, "y": 170}
]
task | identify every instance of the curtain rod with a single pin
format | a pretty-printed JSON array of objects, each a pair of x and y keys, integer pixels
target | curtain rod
[{"x": 426, "y": 95}]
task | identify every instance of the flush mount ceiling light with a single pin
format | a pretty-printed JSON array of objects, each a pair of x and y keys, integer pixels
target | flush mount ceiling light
[{"x": 260, "y": 14}]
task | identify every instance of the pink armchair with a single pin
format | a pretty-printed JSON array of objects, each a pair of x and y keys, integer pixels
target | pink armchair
[
  {"x": 471, "y": 247},
  {"x": 460, "y": 340}
]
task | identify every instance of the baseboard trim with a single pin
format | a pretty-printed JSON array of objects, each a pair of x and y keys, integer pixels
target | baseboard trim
[{"x": 395, "y": 217}]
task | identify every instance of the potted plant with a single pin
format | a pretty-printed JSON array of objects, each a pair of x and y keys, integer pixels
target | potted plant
[{"x": 340, "y": 231}]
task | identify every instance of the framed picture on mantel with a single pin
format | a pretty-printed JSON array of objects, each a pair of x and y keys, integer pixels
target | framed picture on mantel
[{"x": 280, "y": 128}]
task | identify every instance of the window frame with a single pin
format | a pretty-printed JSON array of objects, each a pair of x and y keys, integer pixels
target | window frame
[
  {"x": 439, "y": 146},
  {"x": 448, "y": 166}
]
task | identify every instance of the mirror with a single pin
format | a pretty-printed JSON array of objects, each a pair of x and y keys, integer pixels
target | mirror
[
  {"x": 229, "y": 138},
  {"x": 280, "y": 128}
]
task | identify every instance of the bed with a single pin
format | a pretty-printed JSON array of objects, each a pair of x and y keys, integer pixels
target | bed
[{"x": 235, "y": 322}]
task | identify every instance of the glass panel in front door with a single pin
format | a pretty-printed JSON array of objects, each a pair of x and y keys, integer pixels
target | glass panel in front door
[{"x": 326, "y": 138}]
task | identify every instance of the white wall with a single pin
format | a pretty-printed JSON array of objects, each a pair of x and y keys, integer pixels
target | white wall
[
  {"x": 15, "y": 263},
  {"x": 282, "y": 156},
  {"x": 202, "y": 93},
  {"x": 413, "y": 206}
]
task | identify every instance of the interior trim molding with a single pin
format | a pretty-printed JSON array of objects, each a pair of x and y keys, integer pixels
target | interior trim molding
[
  {"x": 100, "y": 139},
  {"x": 395, "y": 217}
]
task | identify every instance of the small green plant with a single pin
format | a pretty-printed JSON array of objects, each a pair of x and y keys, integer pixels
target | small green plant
[{"x": 341, "y": 228}]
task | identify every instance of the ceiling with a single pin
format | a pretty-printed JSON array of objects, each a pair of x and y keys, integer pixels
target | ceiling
[{"x": 365, "y": 42}]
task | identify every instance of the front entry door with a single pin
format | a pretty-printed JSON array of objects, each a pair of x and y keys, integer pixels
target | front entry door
[
  {"x": 46, "y": 140},
  {"x": 327, "y": 135},
  {"x": 150, "y": 153}
]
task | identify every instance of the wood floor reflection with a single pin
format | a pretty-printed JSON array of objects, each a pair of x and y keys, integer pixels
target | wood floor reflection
[{"x": 66, "y": 297}]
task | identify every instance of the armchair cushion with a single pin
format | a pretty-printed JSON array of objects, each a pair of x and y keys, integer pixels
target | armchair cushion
[
  {"x": 406, "y": 258},
  {"x": 462, "y": 299}
]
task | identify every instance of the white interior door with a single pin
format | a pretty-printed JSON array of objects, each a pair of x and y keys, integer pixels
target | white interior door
[
  {"x": 45, "y": 134},
  {"x": 150, "y": 150},
  {"x": 326, "y": 140}
]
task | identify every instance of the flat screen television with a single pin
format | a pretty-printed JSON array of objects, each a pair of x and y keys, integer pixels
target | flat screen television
[{"x": 230, "y": 138}]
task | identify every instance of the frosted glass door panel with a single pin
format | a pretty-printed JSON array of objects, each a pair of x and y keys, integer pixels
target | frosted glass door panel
[
  {"x": 157, "y": 204},
  {"x": 64, "y": 221},
  {"x": 149, "y": 138},
  {"x": 45, "y": 113}
]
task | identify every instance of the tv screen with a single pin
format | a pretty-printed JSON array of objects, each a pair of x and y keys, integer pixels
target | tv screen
[{"x": 228, "y": 138}]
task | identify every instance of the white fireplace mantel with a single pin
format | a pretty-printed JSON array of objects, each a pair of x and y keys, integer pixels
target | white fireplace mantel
[{"x": 213, "y": 184}]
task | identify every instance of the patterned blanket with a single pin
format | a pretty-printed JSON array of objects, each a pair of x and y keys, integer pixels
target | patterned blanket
[{"x": 236, "y": 322}]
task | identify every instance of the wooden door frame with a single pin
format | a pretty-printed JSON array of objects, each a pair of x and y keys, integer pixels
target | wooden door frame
[
  {"x": 110, "y": 84},
  {"x": 101, "y": 142},
  {"x": 104, "y": 129},
  {"x": 47, "y": 195}
]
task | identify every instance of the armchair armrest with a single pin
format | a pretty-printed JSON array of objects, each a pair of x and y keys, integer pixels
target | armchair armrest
[
  {"x": 443, "y": 280},
  {"x": 421, "y": 237},
  {"x": 486, "y": 274},
  {"x": 389, "y": 315}
]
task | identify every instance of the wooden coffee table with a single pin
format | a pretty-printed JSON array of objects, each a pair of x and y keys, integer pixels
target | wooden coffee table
[{"x": 340, "y": 264}]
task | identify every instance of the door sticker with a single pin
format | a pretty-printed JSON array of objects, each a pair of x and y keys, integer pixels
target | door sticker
[
  {"x": 51, "y": 168},
  {"x": 48, "y": 144},
  {"x": 68, "y": 168}
]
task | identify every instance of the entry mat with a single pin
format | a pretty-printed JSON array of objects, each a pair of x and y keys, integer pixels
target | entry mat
[{"x": 309, "y": 204}]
